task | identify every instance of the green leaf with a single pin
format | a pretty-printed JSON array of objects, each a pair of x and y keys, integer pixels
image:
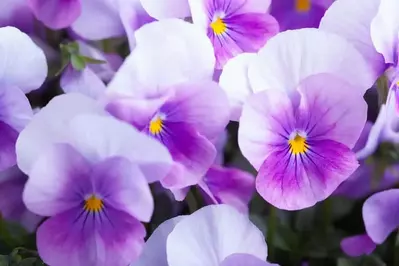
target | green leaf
[
  {"x": 28, "y": 262},
  {"x": 90, "y": 60},
  {"x": 78, "y": 62}
]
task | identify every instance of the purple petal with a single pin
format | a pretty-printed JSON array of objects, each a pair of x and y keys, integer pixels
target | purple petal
[
  {"x": 229, "y": 186},
  {"x": 70, "y": 238},
  {"x": 356, "y": 246},
  {"x": 335, "y": 109},
  {"x": 54, "y": 187},
  {"x": 99, "y": 20},
  {"x": 154, "y": 252},
  {"x": 113, "y": 177},
  {"x": 179, "y": 177},
  {"x": 56, "y": 14},
  {"x": 187, "y": 147},
  {"x": 293, "y": 182},
  {"x": 203, "y": 105},
  {"x": 240, "y": 259},
  {"x": 18, "y": 14},
  {"x": 355, "y": 27},
  {"x": 84, "y": 81},
  {"x": 211, "y": 234},
  {"x": 8, "y": 139},
  {"x": 11, "y": 205},
  {"x": 289, "y": 18},
  {"x": 380, "y": 214},
  {"x": 246, "y": 33}
]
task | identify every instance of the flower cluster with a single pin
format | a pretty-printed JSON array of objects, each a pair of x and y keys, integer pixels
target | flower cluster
[{"x": 189, "y": 132}]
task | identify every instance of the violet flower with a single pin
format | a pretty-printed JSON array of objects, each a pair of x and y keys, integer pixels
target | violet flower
[
  {"x": 215, "y": 235},
  {"x": 301, "y": 143},
  {"x": 80, "y": 163},
  {"x": 175, "y": 102},
  {"x": 233, "y": 26},
  {"x": 297, "y": 14}
]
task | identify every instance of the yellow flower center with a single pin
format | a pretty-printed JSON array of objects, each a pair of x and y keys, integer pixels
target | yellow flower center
[
  {"x": 303, "y": 5},
  {"x": 219, "y": 26},
  {"x": 298, "y": 145},
  {"x": 93, "y": 204},
  {"x": 156, "y": 125}
]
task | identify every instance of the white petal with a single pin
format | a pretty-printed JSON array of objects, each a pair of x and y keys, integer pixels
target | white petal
[
  {"x": 293, "y": 55},
  {"x": 385, "y": 29},
  {"x": 22, "y": 63},
  {"x": 172, "y": 51},
  {"x": 212, "y": 233},
  {"x": 234, "y": 81},
  {"x": 355, "y": 27},
  {"x": 154, "y": 252},
  {"x": 166, "y": 8},
  {"x": 50, "y": 125}
]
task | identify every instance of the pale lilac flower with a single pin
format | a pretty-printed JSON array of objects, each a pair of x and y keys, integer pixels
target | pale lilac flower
[
  {"x": 89, "y": 173},
  {"x": 215, "y": 235},
  {"x": 164, "y": 89},
  {"x": 12, "y": 208},
  {"x": 300, "y": 142},
  {"x": 296, "y": 14},
  {"x": 353, "y": 21}
]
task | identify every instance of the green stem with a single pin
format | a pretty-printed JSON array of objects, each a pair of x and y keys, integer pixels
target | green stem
[
  {"x": 107, "y": 46},
  {"x": 396, "y": 250},
  {"x": 327, "y": 215},
  {"x": 191, "y": 201},
  {"x": 271, "y": 228}
]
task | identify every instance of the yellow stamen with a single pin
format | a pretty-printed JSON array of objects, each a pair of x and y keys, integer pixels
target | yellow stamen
[
  {"x": 298, "y": 145},
  {"x": 93, "y": 204},
  {"x": 219, "y": 26},
  {"x": 303, "y": 5},
  {"x": 156, "y": 126}
]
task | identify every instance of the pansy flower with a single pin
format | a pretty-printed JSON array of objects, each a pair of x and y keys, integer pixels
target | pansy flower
[
  {"x": 89, "y": 173},
  {"x": 164, "y": 89},
  {"x": 297, "y": 14},
  {"x": 216, "y": 235},
  {"x": 16, "y": 13},
  {"x": 300, "y": 143},
  {"x": 292, "y": 130},
  {"x": 233, "y": 26}
]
